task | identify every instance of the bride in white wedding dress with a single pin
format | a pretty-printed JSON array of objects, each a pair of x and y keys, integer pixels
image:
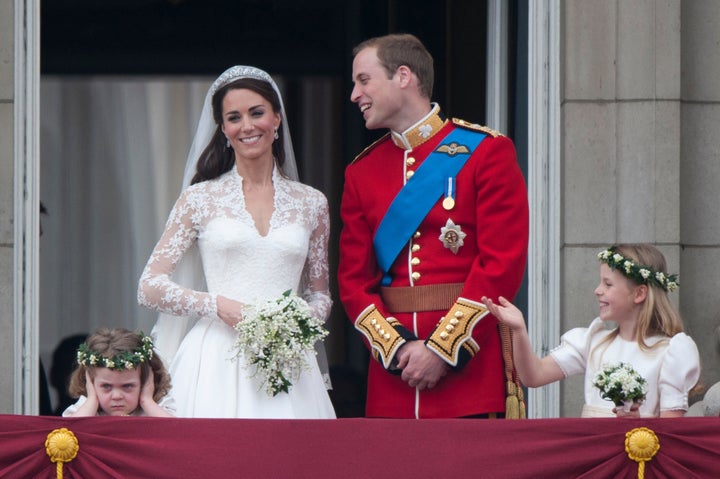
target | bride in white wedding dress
[{"x": 258, "y": 233}]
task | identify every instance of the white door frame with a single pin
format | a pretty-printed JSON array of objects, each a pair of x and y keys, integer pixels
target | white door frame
[
  {"x": 26, "y": 212},
  {"x": 544, "y": 192},
  {"x": 543, "y": 168}
]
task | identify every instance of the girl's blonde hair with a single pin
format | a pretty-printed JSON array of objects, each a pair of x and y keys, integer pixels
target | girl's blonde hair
[
  {"x": 658, "y": 316},
  {"x": 111, "y": 342}
]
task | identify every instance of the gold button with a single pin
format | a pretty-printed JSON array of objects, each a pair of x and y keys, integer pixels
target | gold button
[
  {"x": 454, "y": 321},
  {"x": 449, "y": 328},
  {"x": 415, "y": 276},
  {"x": 416, "y": 235},
  {"x": 459, "y": 314},
  {"x": 409, "y": 174},
  {"x": 444, "y": 335},
  {"x": 415, "y": 248},
  {"x": 415, "y": 261},
  {"x": 386, "y": 337},
  {"x": 410, "y": 161}
]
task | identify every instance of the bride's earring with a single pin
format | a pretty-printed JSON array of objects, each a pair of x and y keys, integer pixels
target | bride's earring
[
  {"x": 276, "y": 134},
  {"x": 227, "y": 143}
]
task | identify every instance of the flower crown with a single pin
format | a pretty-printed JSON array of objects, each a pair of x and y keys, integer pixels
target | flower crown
[
  {"x": 640, "y": 273},
  {"x": 125, "y": 360}
]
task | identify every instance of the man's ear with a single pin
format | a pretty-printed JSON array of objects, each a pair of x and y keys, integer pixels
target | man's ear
[{"x": 405, "y": 75}]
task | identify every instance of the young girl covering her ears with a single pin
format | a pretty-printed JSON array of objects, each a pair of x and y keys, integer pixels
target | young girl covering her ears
[
  {"x": 119, "y": 374},
  {"x": 633, "y": 294}
]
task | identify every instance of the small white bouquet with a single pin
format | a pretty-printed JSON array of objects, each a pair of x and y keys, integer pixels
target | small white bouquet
[
  {"x": 621, "y": 384},
  {"x": 275, "y": 337}
]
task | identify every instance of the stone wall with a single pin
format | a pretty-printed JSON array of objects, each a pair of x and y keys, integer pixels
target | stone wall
[
  {"x": 7, "y": 361},
  {"x": 640, "y": 153}
]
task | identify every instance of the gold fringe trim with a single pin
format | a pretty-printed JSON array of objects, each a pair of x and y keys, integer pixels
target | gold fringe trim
[
  {"x": 514, "y": 397},
  {"x": 62, "y": 446},
  {"x": 641, "y": 445}
]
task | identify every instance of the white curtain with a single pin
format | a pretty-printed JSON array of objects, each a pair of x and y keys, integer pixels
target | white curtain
[
  {"x": 112, "y": 157},
  {"x": 113, "y": 152}
]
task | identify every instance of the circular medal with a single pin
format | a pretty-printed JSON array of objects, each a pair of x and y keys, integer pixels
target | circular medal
[{"x": 448, "y": 203}]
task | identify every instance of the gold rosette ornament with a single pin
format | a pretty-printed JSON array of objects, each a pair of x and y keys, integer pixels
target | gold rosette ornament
[
  {"x": 62, "y": 446},
  {"x": 641, "y": 445}
]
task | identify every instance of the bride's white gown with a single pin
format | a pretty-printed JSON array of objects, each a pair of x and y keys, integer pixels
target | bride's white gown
[{"x": 241, "y": 264}]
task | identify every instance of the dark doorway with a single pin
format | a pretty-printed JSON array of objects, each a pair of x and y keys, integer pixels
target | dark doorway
[{"x": 298, "y": 41}]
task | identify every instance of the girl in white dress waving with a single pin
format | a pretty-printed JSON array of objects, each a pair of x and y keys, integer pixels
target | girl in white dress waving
[
  {"x": 633, "y": 294},
  {"x": 258, "y": 233}
]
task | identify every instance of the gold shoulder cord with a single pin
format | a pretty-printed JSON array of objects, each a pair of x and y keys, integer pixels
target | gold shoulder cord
[{"x": 474, "y": 126}]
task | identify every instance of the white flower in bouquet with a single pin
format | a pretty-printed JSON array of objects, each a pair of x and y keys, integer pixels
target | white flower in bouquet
[
  {"x": 275, "y": 337},
  {"x": 621, "y": 384}
]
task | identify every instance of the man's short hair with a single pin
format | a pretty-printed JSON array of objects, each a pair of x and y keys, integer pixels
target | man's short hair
[{"x": 399, "y": 49}]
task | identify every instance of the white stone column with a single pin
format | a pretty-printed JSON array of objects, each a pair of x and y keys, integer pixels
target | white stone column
[
  {"x": 699, "y": 130},
  {"x": 19, "y": 204},
  {"x": 7, "y": 82}
]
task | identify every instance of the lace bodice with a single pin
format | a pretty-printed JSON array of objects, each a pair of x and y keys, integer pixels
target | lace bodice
[{"x": 238, "y": 262}]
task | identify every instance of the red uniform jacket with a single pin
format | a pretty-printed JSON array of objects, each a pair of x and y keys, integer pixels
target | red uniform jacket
[{"x": 491, "y": 208}]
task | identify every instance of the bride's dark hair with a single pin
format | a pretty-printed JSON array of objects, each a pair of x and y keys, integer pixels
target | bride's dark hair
[{"x": 216, "y": 159}]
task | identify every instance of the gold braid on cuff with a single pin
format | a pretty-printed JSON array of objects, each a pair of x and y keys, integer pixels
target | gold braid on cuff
[
  {"x": 380, "y": 333},
  {"x": 454, "y": 332}
]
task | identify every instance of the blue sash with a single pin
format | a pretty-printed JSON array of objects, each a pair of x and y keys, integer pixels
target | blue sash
[{"x": 415, "y": 200}]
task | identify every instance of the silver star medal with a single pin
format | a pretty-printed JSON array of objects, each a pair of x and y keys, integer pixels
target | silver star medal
[{"x": 452, "y": 236}]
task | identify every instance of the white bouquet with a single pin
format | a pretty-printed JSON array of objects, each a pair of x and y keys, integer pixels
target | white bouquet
[
  {"x": 275, "y": 337},
  {"x": 621, "y": 384}
]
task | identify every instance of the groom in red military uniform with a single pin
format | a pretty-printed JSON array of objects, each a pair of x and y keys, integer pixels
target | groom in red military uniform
[{"x": 435, "y": 216}]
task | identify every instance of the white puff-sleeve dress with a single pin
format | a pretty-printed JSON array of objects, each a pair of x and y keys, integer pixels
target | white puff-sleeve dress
[{"x": 671, "y": 367}]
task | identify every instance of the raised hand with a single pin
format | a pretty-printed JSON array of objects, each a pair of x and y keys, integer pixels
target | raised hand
[
  {"x": 148, "y": 388},
  {"x": 90, "y": 388},
  {"x": 147, "y": 402},
  {"x": 505, "y": 312},
  {"x": 91, "y": 404}
]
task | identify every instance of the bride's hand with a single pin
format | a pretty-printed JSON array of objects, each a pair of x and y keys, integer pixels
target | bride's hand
[{"x": 229, "y": 310}]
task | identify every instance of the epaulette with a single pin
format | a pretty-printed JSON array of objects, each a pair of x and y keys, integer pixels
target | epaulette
[
  {"x": 476, "y": 127},
  {"x": 369, "y": 148}
]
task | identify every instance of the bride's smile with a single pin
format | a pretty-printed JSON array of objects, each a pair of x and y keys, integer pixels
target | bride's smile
[{"x": 249, "y": 123}]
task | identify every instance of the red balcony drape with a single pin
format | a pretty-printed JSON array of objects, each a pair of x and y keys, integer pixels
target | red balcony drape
[{"x": 139, "y": 447}]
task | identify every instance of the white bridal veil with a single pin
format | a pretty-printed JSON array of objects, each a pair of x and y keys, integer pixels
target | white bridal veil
[{"x": 169, "y": 330}]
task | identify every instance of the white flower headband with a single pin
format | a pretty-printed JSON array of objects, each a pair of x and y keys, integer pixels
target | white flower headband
[
  {"x": 125, "y": 360},
  {"x": 640, "y": 273}
]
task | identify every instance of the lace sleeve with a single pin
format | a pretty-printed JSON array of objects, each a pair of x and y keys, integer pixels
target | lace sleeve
[
  {"x": 315, "y": 280},
  {"x": 156, "y": 289}
]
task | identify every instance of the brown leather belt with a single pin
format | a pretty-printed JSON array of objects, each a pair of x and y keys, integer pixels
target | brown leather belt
[{"x": 431, "y": 297}]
